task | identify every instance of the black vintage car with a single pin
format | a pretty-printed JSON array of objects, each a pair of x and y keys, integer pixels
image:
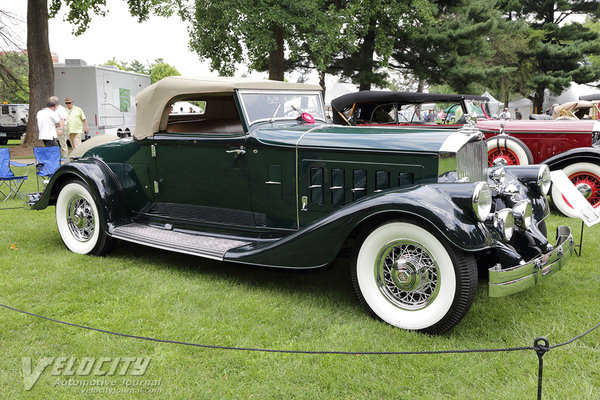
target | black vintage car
[{"x": 259, "y": 178}]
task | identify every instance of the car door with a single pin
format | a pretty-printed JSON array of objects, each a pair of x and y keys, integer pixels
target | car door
[{"x": 203, "y": 177}]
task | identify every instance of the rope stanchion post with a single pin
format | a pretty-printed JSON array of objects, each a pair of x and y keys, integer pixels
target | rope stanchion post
[{"x": 541, "y": 345}]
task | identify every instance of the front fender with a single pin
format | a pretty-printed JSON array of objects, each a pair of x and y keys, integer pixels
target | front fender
[
  {"x": 442, "y": 207},
  {"x": 104, "y": 188},
  {"x": 581, "y": 154}
]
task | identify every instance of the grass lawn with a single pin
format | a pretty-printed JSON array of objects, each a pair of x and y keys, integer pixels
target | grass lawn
[{"x": 142, "y": 291}]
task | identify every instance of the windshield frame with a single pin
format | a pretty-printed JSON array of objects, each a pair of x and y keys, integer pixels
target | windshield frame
[{"x": 249, "y": 122}]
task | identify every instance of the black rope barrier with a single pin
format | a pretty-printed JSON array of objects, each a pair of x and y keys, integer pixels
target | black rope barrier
[{"x": 541, "y": 345}]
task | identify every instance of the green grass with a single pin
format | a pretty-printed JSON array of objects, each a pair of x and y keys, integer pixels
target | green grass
[{"x": 148, "y": 292}]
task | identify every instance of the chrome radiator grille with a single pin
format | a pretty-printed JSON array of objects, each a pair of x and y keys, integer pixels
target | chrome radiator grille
[{"x": 471, "y": 161}]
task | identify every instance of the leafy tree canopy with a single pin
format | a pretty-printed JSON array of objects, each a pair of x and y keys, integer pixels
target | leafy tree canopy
[
  {"x": 157, "y": 70},
  {"x": 558, "y": 48}
]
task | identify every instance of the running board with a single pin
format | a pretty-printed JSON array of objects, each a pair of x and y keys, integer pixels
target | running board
[{"x": 197, "y": 245}]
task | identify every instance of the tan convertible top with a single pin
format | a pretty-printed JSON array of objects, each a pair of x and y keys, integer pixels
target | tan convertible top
[{"x": 153, "y": 101}]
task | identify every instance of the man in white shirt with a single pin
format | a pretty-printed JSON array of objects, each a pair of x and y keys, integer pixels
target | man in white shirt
[
  {"x": 505, "y": 115},
  {"x": 61, "y": 129},
  {"x": 46, "y": 122}
]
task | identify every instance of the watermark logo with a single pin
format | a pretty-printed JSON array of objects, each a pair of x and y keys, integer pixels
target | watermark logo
[{"x": 85, "y": 366}]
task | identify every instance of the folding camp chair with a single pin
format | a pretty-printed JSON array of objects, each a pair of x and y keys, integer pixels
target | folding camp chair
[
  {"x": 8, "y": 181},
  {"x": 47, "y": 161}
]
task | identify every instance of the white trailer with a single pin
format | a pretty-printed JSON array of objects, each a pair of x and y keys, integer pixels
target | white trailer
[
  {"x": 105, "y": 94},
  {"x": 13, "y": 121}
]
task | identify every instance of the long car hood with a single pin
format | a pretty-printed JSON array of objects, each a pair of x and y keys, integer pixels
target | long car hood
[
  {"x": 542, "y": 126},
  {"x": 362, "y": 138}
]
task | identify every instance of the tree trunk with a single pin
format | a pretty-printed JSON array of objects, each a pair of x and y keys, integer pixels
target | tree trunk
[
  {"x": 366, "y": 52},
  {"x": 420, "y": 85},
  {"x": 538, "y": 100},
  {"x": 322, "y": 82},
  {"x": 277, "y": 56},
  {"x": 41, "y": 72}
]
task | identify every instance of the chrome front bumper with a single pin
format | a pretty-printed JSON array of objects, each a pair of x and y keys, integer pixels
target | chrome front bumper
[{"x": 512, "y": 280}]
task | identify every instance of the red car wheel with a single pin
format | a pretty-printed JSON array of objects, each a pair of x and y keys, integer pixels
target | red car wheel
[
  {"x": 502, "y": 156},
  {"x": 505, "y": 150},
  {"x": 586, "y": 178}
]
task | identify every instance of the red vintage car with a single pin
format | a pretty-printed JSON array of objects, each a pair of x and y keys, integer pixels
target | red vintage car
[{"x": 570, "y": 145}]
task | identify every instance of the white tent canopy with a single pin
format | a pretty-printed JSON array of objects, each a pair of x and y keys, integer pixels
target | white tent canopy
[
  {"x": 523, "y": 104},
  {"x": 494, "y": 105}
]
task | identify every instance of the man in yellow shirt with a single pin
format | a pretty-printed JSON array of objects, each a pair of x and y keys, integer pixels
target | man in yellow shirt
[{"x": 75, "y": 121}]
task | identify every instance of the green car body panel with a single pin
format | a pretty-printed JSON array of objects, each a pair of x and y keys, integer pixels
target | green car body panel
[{"x": 266, "y": 208}]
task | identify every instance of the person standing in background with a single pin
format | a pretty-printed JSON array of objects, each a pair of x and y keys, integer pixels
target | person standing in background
[
  {"x": 61, "y": 130},
  {"x": 46, "y": 122},
  {"x": 505, "y": 114},
  {"x": 518, "y": 114},
  {"x": 75, "y": 121}
]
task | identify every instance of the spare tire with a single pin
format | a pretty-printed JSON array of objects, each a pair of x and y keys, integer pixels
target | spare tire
[{"x": 507, "y": 150}]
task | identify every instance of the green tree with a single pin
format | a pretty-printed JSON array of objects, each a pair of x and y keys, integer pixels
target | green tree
[
  {"x": 593, "y": 26},
  {"x": 375, "y": 28},
  {"x": 13, "y": 63},
  {"x": 14, "y": 82},
  {"x": 119, "y": 64},
  {"x": 41, "y": 73},
  {"x": 268, "y": 35},
  {"x": 161, "y": 69},
  {"x": 157, "y": 70},
  {"x": 451, "y": 47},
  {"x": 558, "y": 49}
]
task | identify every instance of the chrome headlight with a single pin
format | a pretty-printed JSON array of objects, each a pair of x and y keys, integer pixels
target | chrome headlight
[
  {"x": 543, "y": 179},
  {"x": 482, "y": 201},
  {"x": 504, "y": 222},
  {"x": 523, "y": 214}
]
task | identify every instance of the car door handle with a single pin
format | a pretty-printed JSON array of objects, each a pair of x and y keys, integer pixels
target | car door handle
[{"x": 237, "y": 151}]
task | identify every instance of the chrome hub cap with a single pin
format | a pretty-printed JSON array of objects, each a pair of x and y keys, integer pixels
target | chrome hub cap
[
  {"x": 80, "y": 219},
  {"x": 407, "y": 275},
  {"x": 500, "y": 162},
  {"x": 585, "y": 190}
]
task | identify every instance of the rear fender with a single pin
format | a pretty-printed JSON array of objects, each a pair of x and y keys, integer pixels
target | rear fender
[{"x": 104, "y": 188}]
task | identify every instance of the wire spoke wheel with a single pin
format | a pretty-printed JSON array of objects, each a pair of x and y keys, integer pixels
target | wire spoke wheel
[
  {"x": 80, "y": 218},
  {"x": 507, "y": 150},
  {"x": 79, "y": 222},
  {"x": 586, "y": 178},
  {"x": 589, "y": 186},
  {"x": 502, "y": 156},
  {"x": 409, "y": 277}
]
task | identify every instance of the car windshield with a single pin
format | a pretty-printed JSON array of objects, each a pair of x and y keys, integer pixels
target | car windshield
[
  {"x": 478, "y": 107},
  {"x": 280, "y": 105}
]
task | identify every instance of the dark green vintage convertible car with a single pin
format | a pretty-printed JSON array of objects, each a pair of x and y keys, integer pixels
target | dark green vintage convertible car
[{"x": 258, "y": 177}]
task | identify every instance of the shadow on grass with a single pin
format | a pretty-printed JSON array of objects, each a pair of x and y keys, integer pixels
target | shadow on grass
[{"x": 332, "y": 281}]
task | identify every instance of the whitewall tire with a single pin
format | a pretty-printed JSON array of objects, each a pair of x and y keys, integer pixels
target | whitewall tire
[
  {"x": 586, "y": 177},
  {"x": 504, "y": 150},
  {"x": 78, "y": 220},
  {"x": 411, "y": 279}
]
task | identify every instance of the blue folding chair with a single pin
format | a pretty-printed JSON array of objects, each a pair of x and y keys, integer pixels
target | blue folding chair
[
  {"x": 8, "y": 180},
  {"x": 47, "y": 161}
]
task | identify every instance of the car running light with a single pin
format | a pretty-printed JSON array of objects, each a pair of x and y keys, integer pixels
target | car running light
[
  {"x": 482, "y": 201},
  {"x": 504, "y": 222},
  {"x": 544, "y": 180},
  {"x": 523, "y": 214}
]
